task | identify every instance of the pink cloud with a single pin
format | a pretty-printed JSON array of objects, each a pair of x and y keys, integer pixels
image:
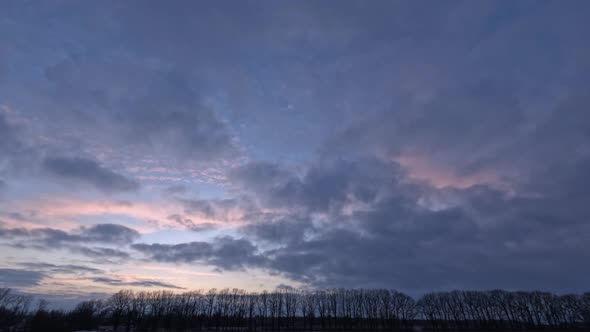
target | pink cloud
[
  {"x": 420, "y": 168},
  {"x": 62, "y": 213}
]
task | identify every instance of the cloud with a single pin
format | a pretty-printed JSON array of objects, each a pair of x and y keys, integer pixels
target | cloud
[
  {"x": 282, "y": 229},
  {"x": 109, "y": 233},
  {"x": 3, "y": 186},
  {"x": 387, "y": 145},
  {"x": 9, "y": 142},
  {"x": 227, "y": 210},
  {"x": 224, "y": 252},
  {"x": 35, "y": 272},
  {"x": 15, "y": 152},
  {"x": 176, "y": 189},
  {"x": 139, "y": 283},
  {"x": 368, "y": 223},
  {"x": 103, "y": 255},
  {"x": 100, "y": 233},
  {"x": 66, "y": 269},
  {"x": 185, "y": 252},
  {"x": 20, "y": 278},
  {"x": 88, "y": 172},
  {"x": 88, "y": 241},
  {"x": 324, "y": 186},
  {"x": 189, "y": 224},
  {"x": 147, "y": 108},
  {"x": 67, "y": 209}
]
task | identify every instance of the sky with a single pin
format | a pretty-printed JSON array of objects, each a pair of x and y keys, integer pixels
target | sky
[{"x": 410, "y": 145}]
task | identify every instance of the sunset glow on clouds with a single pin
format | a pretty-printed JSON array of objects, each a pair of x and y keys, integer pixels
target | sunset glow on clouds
[
  {"x": 421, "y": 169},
  {"x": 408, "y": 145}
]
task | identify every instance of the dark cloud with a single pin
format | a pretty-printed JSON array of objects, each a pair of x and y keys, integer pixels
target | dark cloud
[
  {"x": 225, "y": 252},
  {"x": 145, "y": 108},
  {"x": 140, "y": 283},
  {"x": 86, "y": 240},
  {"x": 189, "y": 224},
  {"x": 216, "y": 209},
  {"x": 15, "y": 152},
  {"x": 554, "y": 155},
  {"x": 20, "y": 278},
  {"x": 278, "y": 229},
  {"x": 286, "y": 287},
  {"x": 488, "y": 240},
  {"x": 109, "y": 233},
  {"x": 177, "y": 189},
  {"x": 477, "y": 237},
  {"x": 2, "y": 187},
  {"x": 144, "y": 105},
  {"x": 385, "y": 229},
  {"x": 100, "y": 233},
  {"x": 185, "y": 252},
  {"x": 327, "y": 185},
  {"x": 170, "y": 115},
  {"x": 88, "y": 172},
  {"x": 9, "y": 142},
  {"x": 203, "y": 208},
  {"x": 101, "y": 254},
  {"x": 54, "y": 268},
  {"x": 22, "y": 156}
]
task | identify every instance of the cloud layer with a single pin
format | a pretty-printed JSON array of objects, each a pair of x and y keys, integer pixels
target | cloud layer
[{"x": 419, "y": 146}]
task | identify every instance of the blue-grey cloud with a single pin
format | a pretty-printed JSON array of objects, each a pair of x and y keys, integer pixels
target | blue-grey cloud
[
  {"x": 3, "y": 186},
  {"x": 415, "y": 236},
  {"x": 225, "y": 252},
  {"x": 15, "y": 152},
  {"x": 20, "y": 278},
  {"x": 109, "y": 233},
  {"x": 216, "y": 209},
  {"x": 102, "y": 255},
  {"x": 327, "y": 185},
  {"x": 176, "y": 189},
  {"x": 103, "y": 242},
  {"x": 9, "y": 142},
  {"x": 67, "y": 268},
  {"x": 100, "y": 233},
  {"x": 190, "y": 224},
  {"x": 88, "y": 172},
  {"x": 161, "y": 112},
  {"x": 278, "y": 229},
  {"x": 140, "y": 283}
]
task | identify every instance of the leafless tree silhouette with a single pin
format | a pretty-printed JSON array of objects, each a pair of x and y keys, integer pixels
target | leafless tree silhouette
[{"x": 295, "y": 310}]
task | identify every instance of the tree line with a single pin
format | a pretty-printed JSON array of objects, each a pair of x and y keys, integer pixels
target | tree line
[{"x": 294, "y": 310}]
